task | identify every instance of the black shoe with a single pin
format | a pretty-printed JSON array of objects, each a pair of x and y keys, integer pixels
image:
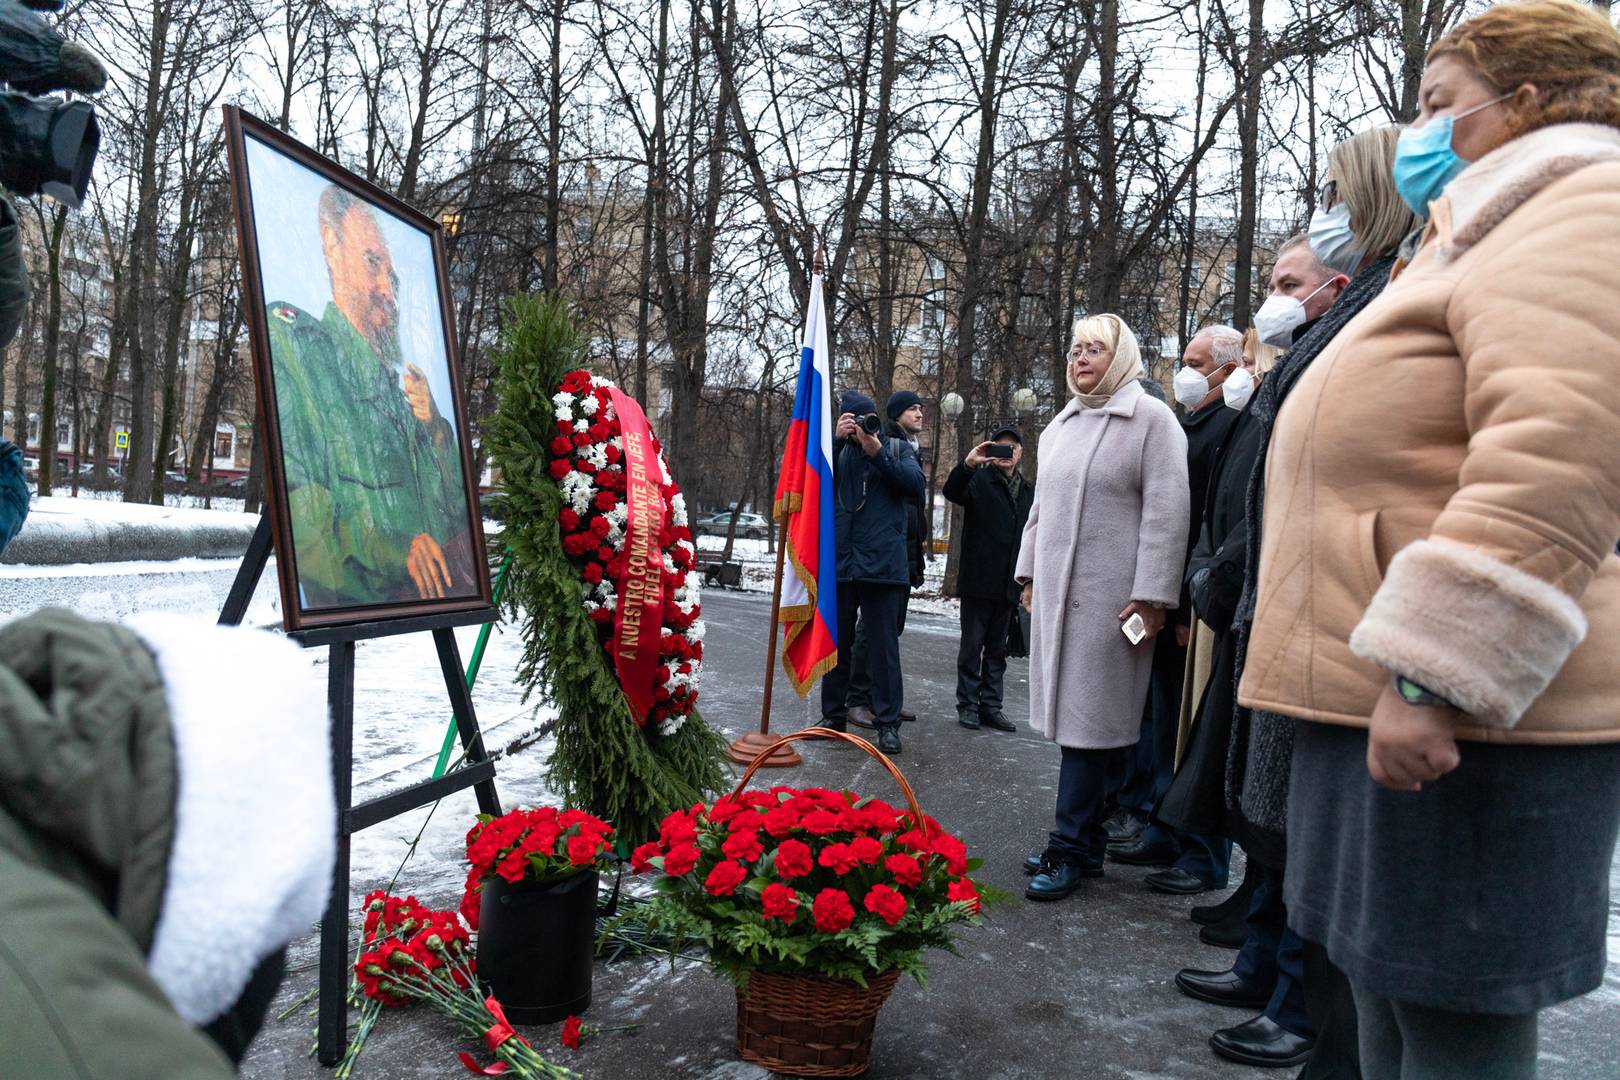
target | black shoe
[
  {"x": 1222, "y": 988},
  {"x": 968, "y": 718},
  {"x": 833, "y": 725},
  {"x": 862, "y": 716},
  {"x": 995, "y": 718},
  {"x": 1137, "y": 853},
  {"x": 1088, "y": 867},
  {"x": 1056, "y": 880},
  {"x": 908, "y": 717},
  {"x": 1235, "y": 905},
  {"x": 1225, "y": 935},
  {"x": 889, "y": 739},
  {"x": 1123, "y": 827},
  {"x": 1263, "y": 1042},
  {"x": 1177, "y": 882}
]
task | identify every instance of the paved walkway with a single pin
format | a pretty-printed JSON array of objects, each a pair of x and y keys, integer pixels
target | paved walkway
[{"x": 1081, "y": 988}]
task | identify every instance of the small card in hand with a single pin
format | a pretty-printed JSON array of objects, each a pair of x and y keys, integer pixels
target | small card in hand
[{"x": 1134, "y": 629}]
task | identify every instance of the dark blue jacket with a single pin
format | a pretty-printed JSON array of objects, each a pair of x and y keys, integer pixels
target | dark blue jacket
[
  {"x": 869, "y": 510},
  {"x": 13, "y": 493}
]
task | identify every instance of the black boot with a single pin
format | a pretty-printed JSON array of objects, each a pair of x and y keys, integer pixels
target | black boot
[
  {"x": 995, "y": 718},
  {"x": 1058, "y": 878},
  {"x": 888, "y": 739},
  {"x": 968, "y": 717}
]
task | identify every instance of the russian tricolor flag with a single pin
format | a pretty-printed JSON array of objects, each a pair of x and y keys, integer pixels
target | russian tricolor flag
[{"x": 804, "y": 505}]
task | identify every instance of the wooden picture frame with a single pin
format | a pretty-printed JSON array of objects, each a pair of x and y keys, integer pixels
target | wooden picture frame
[{"x": 350, "y": 469}]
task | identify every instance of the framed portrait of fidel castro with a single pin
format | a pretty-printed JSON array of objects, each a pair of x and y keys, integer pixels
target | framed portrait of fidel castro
[{"x": 370, "y": 485}]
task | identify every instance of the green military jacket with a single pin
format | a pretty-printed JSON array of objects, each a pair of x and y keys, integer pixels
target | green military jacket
[
  {"x": 88, "y": 781},
  {"x": 365, "y": 477}
]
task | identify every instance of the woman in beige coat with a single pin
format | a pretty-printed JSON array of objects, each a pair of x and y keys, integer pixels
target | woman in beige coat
[
  {"x": 1439, "y": 596},
  {"x": 1106, "y": 540}
]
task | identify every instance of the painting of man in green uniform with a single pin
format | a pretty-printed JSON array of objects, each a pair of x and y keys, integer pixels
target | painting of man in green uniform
[{"x": 376, "y": 492}]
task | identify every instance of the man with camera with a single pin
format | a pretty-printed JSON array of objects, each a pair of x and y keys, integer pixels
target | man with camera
[
  {"x": 873, "y": 478},
  {"x": 905, "y": 412},
  {"x": 996, "y": 499}
]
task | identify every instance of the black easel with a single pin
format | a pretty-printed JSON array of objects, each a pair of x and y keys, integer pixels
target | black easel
[{"x": 478, "y": 772}]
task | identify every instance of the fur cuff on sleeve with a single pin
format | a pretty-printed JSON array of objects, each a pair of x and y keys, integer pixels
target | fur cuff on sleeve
[{"x": 1484, "y": 635}]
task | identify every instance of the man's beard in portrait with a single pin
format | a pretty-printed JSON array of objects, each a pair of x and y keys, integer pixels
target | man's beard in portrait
[{"x": 382, "y": 327}]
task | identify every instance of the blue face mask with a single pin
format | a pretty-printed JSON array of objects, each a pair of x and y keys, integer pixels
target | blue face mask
[{"x": 1425, "y": 162}]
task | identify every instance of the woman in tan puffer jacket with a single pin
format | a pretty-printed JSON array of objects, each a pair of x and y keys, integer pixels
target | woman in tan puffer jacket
[{"x": 1439, "y": 597}]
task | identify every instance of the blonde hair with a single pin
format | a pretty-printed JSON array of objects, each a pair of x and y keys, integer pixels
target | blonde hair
[
  {"x": 1126, "y": 365},
  {"x": 1363, "y": 168},
  {"x": 1568, "y": 51},
  {"x": 1265, "y": 356}
]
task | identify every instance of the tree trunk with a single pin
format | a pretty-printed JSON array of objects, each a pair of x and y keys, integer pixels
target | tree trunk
[
  {"x": 53, "y": 338},
  {"x": 1249, "y": 180}
]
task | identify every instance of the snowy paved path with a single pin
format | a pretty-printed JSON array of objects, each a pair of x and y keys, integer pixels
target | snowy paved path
[{"x": 1077, "y": 989}]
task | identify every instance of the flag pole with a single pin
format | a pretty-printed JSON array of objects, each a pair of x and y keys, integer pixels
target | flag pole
[{"x": 749, "y": 746}]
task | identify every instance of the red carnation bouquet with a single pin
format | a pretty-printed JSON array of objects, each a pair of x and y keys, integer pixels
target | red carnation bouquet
[
  {"x": 587, "y": 462},
  {"x": 544, "y": 844},
  {"x": 809, "y": 882},
  {"x": 412, "y": 953}
]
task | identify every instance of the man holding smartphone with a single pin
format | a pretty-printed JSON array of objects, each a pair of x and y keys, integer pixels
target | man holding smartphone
[
  {"x": 996, "y": 499},
  {"x": 873, "y": 478}
]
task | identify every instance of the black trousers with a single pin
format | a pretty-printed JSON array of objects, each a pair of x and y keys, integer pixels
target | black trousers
[
  {"x": 860, "y": 672},
  {"x": 981, "y": 659},
  {"x": 881, "y": 607},
  {"x": 1077, "y": 833}
]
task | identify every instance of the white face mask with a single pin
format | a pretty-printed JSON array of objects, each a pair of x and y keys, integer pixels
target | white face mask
[
  {"x": 1332, "y": 241},
  {"x": 1190, "y": 387},
  {"x": 1238, "y": 388},
  {"x": 1280, "y": 316}
]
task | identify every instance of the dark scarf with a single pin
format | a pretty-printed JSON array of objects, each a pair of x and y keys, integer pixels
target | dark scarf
[{"x": 1262, "y": 742}]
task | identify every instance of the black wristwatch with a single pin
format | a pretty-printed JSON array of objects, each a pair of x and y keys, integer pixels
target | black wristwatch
[{"x": 1413, "y": 694}]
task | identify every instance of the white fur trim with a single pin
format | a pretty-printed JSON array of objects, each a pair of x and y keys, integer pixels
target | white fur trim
[
  {"x": 255, "y": 821},
  {"x": 1484, "y": 635}
]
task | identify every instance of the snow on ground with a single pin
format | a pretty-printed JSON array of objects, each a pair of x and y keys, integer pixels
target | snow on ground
[
  {"x": 759, "y": 566},
  {"x": 188, "y": 502},
  {"x": 108, "y": 507}
]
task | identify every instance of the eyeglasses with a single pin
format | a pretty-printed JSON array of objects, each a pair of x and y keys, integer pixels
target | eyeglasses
[
  {"x": 1327, "y": 195},
  {"x": 1093, "y": 350}
]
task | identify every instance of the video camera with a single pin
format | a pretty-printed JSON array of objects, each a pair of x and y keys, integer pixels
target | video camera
[{"x": 47, "y": 145}]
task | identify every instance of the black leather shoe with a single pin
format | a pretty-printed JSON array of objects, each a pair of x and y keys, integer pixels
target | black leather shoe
[
  {"x": 1263, "y": 1042},
  {"x": 861, "y": 716},
  {"x": 1088, "y": 867},
  {"x": 1225, "y": 935},
  {"x": 908, "y": 717},
  {"x": 1123, "y": 827},
  {"x": 1235, "y": 905},
  {"x": 1177, "y": 882},
  {"x": 1137, "y": 853},
  {"x": 995, "y": 718},
  {"x": 1222, "y": 988},
  {"x": 1056, "y": 880},
  {"x": 833, "y": 725},
  {"x": 889, "y": 739},
  {"x": 968, "y": 718}
]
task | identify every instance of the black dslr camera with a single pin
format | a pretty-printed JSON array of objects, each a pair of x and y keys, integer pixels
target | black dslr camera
[{"x": 870, "y": 423}]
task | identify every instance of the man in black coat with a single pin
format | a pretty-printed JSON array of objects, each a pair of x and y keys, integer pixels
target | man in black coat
[
  {"x": 996, "y": 499},
  {"x": 905, "y": 413},
  {"x": 873, "y": 479},
  {"x": 1193, "y": 863}
]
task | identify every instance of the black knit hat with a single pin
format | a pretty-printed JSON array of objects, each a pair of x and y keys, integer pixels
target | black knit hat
[{"x": 900, "y": 401}]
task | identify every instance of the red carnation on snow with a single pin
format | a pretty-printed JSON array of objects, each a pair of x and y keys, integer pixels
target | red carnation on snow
[{"x": 571, "y": 1032}]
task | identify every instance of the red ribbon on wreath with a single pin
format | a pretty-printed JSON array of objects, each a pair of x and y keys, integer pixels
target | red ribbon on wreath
[
  {"x": 638, "y": 620},
  {"x": 498, "y": 1033}
]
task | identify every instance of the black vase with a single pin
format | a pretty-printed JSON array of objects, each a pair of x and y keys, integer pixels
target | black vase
[{"x": 536, "y": 943}]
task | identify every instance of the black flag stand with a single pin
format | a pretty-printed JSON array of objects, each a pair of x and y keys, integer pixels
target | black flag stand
[{"x": 477, "y": 772}]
